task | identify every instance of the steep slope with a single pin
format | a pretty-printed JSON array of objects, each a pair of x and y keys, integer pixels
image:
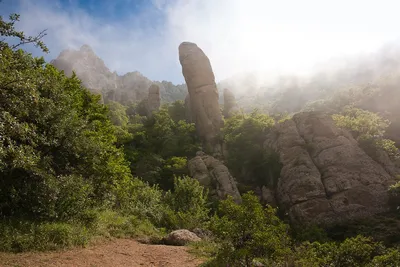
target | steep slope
[{"x": 129, "y": 88}]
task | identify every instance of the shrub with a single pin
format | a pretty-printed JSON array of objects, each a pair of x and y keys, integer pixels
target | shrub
[
  {"x": 186, "y": 204},
  {"x": 23, "y": 236},
  {"x": 135, "y": 197},
  {"x": 244, "y": 136},
  {"x": 390, "y": 259},
  {"x": 248, "y": 232}
]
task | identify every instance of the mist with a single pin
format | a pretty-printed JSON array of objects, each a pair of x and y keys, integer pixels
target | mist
[{"x": 264, "y": 38}]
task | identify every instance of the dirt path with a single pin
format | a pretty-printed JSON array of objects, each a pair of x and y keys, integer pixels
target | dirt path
[{"x": 116, "y": 253}]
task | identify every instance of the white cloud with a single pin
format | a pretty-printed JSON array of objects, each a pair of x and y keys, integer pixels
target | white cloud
[{"x": 237, "y": 35}]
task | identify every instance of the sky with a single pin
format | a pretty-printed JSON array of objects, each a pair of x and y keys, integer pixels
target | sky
[{"x": 267, "y": 36}]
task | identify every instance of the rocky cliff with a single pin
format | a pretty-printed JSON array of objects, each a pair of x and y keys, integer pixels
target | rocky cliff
[
  {"x": 214, "y": 175},
  {"x": 326, "y": 177},
  {"x": 129, "y": 88},
  {"x": 203, "y": 95}
]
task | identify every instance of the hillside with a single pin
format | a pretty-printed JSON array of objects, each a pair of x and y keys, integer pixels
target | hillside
[{"x": 126, "y": 89}]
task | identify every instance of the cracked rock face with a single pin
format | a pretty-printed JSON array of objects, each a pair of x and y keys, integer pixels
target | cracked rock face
[
  {"x": 214, "y": 175},
  {"x": 326, "y": 176},
  {"x": 153, "y": 100},
  {"x": 203, "y": 94}
]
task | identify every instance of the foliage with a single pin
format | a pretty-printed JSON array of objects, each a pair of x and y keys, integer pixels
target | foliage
[
  {"x": 23, "y": 236},
  {"x": 368, "y": 128},
  {"x": 248, "y": 232},
  {"x": 353, "y": 252},
  {"x": 117, "y": 113},
  {"x": 312, "y": 233},
  {"x": 394, "y": 195},
  {"x": 7, "y": 30},
  {"x": 186, "y": 204},
  {"x": 159, "y": 147},
  {"x": 17, "y": 236},
  {"x": 390, "y": 259},
  {"x": 362, "y": 123},
  {"x": 57, "y": 146},
  {"x": 177, "y": 110},
  {"x": 135, "y": 197},
  {"x": 244, "y": 136}
]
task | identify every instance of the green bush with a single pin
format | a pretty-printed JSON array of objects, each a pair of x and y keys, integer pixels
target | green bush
[
  {"x": 24, "y": 236},
  {"x": 390, "y": 259},
  {"x": 249, "y": 161},
  {"x": 113, "y": 224},
  {"x": 248, "y": 232},
  {"x": 54, "y": 133},
  {"x": 186, "y": 205},
  {"x": 352, "y": 252},
  {"x": 362, "y": 123},
  {"x": 135, "y": 197}
]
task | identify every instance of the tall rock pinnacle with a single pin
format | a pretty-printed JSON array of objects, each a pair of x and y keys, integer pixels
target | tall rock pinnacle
[{"x": 203, "y": 93}]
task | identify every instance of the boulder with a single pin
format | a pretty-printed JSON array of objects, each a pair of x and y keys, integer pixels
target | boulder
[
  {"x": 203, "y": 95},
  {"x": 230, "y": 105},
  {"x": 213, "y": 174},
  {"x": 180, "y": 238},
  {"x": 153, "y": 99},
  {"x": 326, "y": 177}
]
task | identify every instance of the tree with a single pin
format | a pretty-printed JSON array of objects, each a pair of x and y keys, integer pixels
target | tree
[
  {"x": 7, "y": 30},
  {"x": 57, "y": 145},
  {"x": 186, "y": 204},
  {"x": 247, "y": 232},
  {"x": 244, "y": 136},
  {"x": 368, "y": 128}
]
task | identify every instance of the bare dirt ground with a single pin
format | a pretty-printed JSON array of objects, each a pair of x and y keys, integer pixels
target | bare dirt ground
[{"x": 115, "y": 253}]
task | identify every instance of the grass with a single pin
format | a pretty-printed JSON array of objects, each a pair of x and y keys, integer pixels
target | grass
[
  {"x": 20, "y": 236},
  {"x": 205, "y": 249}
]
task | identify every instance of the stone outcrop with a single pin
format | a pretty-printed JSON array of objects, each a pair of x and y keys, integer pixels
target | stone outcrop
[
  {"x": 188, "y": 111},
  {"x": 230, "y": 105},
  {"x": 326, "y": 177},
  {"x": 129, "y": 88},
  {"x": 214, "y": 175},
  {"x": 203, "y": 93},
  {"x": 153, "y": 99},
  {"x": 180, "y": 238}
]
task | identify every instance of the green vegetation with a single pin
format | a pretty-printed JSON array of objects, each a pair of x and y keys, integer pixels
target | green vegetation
[
  {"x": 368, "y": 128},
  {"x": 247, "y": 234},
  {"x": 249, "y": 161}
]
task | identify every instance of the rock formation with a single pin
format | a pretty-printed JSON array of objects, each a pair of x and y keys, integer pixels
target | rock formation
[
  {"x": 230, "y": 105},
  {"x": 153, "y": 99},
  {"x": 326, "y": 177},
  {"x": 200, "y": 80},
  {"x": 213, "y": 174},
  {"x": 188, "y": 111},
  {"x": 128, "y": 88}
]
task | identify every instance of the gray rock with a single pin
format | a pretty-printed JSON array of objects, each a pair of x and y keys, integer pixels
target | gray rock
[
  {"x": 213, "y": 174},
  {"x": 203, "y": 94},
  {"x": 180, "y": 238},
  {"x": 326, "y": 177}
]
